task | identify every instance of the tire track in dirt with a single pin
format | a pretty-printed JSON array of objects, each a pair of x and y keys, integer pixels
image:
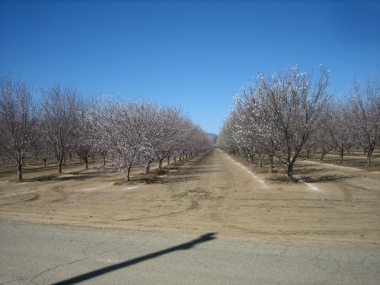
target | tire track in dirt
[
  {"x": 251, "y": 173},
  {"x": 62, "y": 195},
  {"x": 194, "y": 205},
  {"x": 352, "y": 180},
  {"x": 210, "y": 193},
  {"x": 183, "y": 188},
  {"x": 215, "y": 180},
  {"x": 347, "y": 193},
  {"x": 35, "y": 198}
]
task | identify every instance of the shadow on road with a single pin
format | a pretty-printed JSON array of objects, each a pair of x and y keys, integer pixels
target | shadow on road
[{"x": 104, "y": 270}]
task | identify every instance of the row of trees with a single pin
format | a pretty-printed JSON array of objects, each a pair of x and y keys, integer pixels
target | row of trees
[
  {"x": 289, "y": 112},
  {"x": 62, "y": 123}
]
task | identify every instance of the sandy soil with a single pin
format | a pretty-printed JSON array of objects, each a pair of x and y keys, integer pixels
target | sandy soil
[{"x": 214, "y": 192}]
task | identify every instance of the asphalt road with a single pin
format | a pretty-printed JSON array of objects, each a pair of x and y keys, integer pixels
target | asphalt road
[{"x": 49, "y": 254}]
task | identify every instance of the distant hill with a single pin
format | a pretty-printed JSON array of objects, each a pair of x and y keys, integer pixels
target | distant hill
[{"x": 212, "y": 135}]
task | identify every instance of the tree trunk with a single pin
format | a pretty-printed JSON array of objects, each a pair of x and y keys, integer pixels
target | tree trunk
[
  {"x": 245, "y": 154},
  {"x": 86, "y": 162},
  {"x": 128, "y": 172},
  {"x": 341, "y": 155},
  {"x": 290, "y": 171},
  {"x": 168, "y": 160},
  {"x": 147, "y": 166},
  {"x": 160, "y": 163},
  {"x": 44, "y": 161},
  {"x": 369, "y": 158},
  {"x": 260, "y": 160},
  {"x": 324, "y": 152},
  {"x": 271, "y": 163},
  {"x": 308, "y": 152},
  {"x": 19, "y": 170},
  {"x": 60, "y": 160}
]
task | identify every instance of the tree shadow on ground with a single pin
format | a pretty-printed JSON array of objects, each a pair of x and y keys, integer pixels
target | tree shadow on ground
[
  {"x": 305, "y": 169},
  {"x": 64, "y": 176},
  {"x": 325, "y": 178},
  {"x": 202, "y": 170},
  {"x": 108, "y": 269}
]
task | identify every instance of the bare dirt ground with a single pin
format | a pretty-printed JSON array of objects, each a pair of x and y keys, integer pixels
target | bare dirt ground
[{"x": 214, "y": 192}]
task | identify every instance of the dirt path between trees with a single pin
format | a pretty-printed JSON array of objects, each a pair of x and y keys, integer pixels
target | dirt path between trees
[{"x": 213, "y": 193}]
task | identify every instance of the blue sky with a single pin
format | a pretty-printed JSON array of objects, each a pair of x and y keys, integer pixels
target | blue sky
[{"x": 195, "y": 54}]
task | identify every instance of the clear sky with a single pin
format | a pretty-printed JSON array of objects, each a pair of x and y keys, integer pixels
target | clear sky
[{"x": 195, "y": 54}]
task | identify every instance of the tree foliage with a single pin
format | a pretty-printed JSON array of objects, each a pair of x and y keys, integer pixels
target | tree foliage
[
  {"x": 60, "y": 121},
  {"x": 279, "y": 114},
  {"x": 18, "y": 121},
  {"x": 123, "y": 132},
  {"x": 290, "y": 112},
  {"x": 137, "y": 131}
]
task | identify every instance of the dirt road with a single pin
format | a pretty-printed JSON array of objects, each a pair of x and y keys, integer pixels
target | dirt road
[{"x": 213, "y": 193}]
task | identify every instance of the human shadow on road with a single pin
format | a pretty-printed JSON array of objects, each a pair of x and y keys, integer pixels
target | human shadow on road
[{"x": 108, "y": 269}]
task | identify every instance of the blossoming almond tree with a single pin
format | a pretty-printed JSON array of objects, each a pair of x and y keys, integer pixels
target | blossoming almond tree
[
  {"x": 254, "y": 123},
  {"x": 282, "y": 112},
  {"x": 363, "y": 115},
  {"x": 138, "y": 131},
  {"x": 121, "y": 127},
  {"x": 338, "y": 128},
  {"x": 173, "y": 127},
  {"x": 18, "y": 121},
  {"x": 168, "y": 134},
  {"x": 60, "y": 120},
  {"x": 83, "y": 144}
]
